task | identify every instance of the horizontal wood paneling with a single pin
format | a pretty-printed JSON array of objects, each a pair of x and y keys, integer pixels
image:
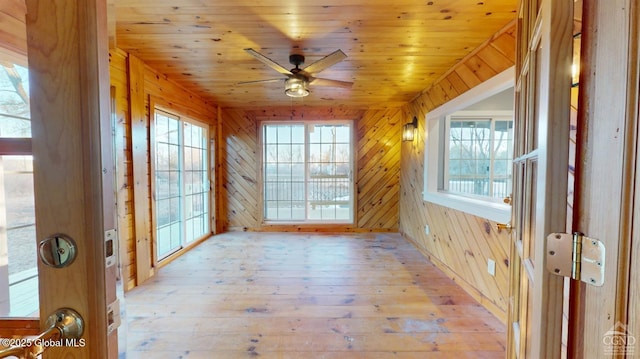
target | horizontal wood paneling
[
  {"x": 458, "y": 242},
  {"x": 377, "y": 167}
]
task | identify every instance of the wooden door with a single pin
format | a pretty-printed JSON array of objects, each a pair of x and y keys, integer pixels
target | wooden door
[
  {"x": 543, "y": 85},
  {"x": 69, "y": 86},
  {"x": 605, "y": 319}
]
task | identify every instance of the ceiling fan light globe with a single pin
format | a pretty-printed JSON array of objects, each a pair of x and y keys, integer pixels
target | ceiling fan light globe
[{"x": 296, "y": 87}]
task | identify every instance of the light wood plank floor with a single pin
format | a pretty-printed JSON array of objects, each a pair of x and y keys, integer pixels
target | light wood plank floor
[{"x": 279, "y": 295}]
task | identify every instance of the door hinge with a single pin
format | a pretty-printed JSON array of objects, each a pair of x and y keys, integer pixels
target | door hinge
[{"x": 576, "y": 256}]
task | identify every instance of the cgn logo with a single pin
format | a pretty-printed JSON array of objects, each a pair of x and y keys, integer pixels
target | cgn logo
[{"x": 618, "y": 341}]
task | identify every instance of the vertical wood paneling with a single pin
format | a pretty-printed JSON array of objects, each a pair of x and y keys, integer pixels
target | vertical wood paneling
[
  {"x": 634, "y": 257},
  {"x": 606, "y": 169},
  {"x": 111, "y": 23},
  {"x": 135, "y": 83},
  {"x": 458, "y": 243},
  {"x": 140, "y": 159},
  {"x": 378, "y": 139},
  {"x": 124, "y": 169}
]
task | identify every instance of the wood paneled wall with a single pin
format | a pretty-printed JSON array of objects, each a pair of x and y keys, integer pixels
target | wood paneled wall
[
  {"x": 459, "y": 243},
  {"x": 124, "y": 168},
  {"x": 238, "y": 171},
  {"x": 378, "y": 140},
  {"x": 13, "y": 31},
  {"x": 389, "y": 172},
  {"x": 135, "y": 235}
]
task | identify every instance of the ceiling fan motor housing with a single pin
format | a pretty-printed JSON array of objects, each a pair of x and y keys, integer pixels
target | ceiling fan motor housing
[{"x": 296, "y": 59}]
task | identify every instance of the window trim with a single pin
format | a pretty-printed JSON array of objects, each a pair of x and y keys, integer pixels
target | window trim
[{"x": 435, "y": 127}]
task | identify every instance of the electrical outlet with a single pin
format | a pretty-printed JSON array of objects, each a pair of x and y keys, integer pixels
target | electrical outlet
[
  {"x": 426, "y": 229},
  {"x": 491, "y": 267}
]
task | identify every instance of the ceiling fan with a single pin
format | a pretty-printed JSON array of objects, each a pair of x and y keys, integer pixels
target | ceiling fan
[{"x": 297, "y": 81}]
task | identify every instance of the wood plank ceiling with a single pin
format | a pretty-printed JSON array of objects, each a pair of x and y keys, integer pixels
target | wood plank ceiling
[{"x": 395, "y": 49}]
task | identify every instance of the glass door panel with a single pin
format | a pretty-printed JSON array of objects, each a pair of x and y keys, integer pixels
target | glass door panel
[
  {"x": 329, "y": 180},
  {"x": 167, "y": 185},
  {"x": 18, "y": 237},
  {"x": 308, "y": 172}
]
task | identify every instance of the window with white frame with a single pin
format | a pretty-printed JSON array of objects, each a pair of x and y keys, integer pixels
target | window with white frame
[
  {"x": 181, "y": 185},
  {"x": 469, "y": 149},
  {"x": 478, "y": 153},
  {"x": 307, "y": 172}
]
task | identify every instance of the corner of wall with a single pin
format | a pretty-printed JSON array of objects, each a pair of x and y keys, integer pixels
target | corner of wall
[{"x": 459, "y": 243}]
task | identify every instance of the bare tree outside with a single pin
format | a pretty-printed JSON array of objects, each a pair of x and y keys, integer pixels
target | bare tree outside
[
  {"x": 18, "y": 208},
  {"x": 479, "y": 161},
  {"x": 306, "y": 171},
  {"x": 15, "y": 115}
]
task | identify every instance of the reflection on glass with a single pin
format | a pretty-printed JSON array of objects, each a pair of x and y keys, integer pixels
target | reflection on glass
[
  {"x": 15, "y": 116},
  {"x": 18, "y": 214}
]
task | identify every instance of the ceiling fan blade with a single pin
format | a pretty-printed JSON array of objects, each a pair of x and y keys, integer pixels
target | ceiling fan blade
[
  {"x": 325, "y": 62},
  {"x": 267, "y": 61},
  {"x": 330, "y": 83},
  {"x": 260, "y": 81}
]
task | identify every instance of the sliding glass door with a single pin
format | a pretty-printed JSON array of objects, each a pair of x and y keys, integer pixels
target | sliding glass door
[
  {"x": 307, "y": 172},
  {"x": 181, "y": 186}
]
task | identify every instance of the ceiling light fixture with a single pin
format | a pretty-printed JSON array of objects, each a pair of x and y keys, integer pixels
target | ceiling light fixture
[{"x": 296, "y": 87}]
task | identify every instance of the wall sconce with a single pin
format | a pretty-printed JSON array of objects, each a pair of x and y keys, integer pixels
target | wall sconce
[{"x": 409, "y": 130}]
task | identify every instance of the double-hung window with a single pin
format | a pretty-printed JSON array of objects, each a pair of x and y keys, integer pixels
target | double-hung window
[
  {"x": 307, "y": 172},
  {"x": 181, "y": 185}
]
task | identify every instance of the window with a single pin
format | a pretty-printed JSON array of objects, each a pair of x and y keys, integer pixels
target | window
[
  {"x": 469, "y": 149},
  {"x": 307, "y": 172},
  {"x": 479, "y": 153},
  {"x": 181, "y": 186},
  {"x": 18, "y": 258}
]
